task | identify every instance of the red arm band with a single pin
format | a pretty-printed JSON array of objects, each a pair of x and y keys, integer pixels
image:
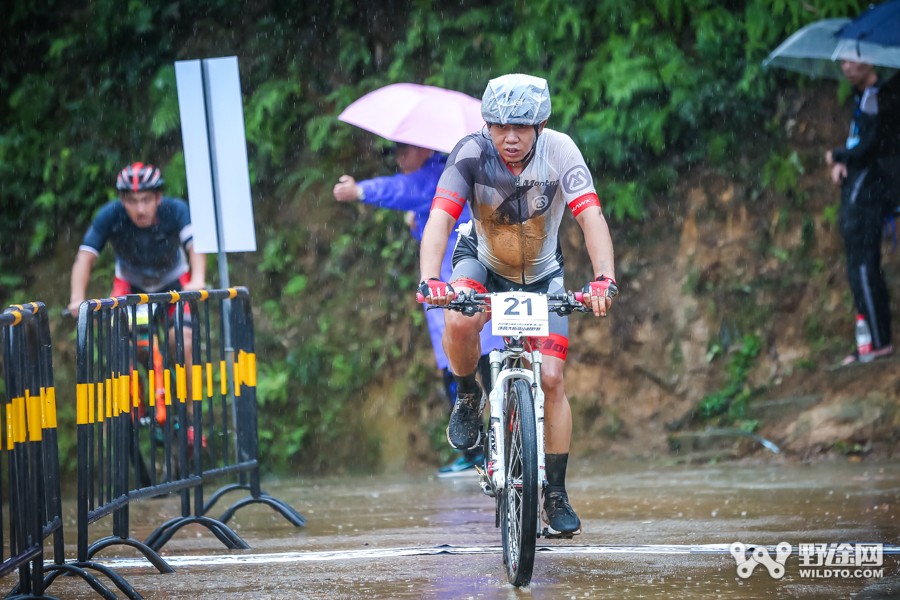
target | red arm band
[
  {"x": 450, "y": 207},
  {"x": 582, "y": 202}
]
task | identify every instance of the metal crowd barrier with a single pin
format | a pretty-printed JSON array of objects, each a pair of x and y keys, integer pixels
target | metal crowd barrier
[
  {"x": 30, "y": 492},
  {"x": 161, "y": 412}
]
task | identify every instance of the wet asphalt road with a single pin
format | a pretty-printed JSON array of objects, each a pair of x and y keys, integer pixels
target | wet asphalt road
[{"x": 650, "y": 531}]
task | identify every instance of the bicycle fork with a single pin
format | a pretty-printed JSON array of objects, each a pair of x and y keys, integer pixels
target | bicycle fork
[{"x": 494, "y": 480}]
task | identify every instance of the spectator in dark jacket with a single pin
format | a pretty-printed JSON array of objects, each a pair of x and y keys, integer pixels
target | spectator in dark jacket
[{"x": 865, "y": 197}]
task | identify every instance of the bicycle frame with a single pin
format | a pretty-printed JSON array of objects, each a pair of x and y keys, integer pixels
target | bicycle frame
[
  {"x": 144, "y": 330},
  {"x": 517, "y": 501},
  {"x": 506, "y": 366}
]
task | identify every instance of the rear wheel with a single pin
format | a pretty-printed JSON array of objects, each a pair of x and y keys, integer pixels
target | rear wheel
[{"x": 519, "y": 500}]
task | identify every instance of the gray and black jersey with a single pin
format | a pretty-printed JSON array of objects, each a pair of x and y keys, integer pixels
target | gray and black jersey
[{"x": 516, "y": 218}]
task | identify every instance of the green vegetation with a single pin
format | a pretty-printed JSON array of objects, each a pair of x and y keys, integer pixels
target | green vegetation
[
  {"x": 647, "y": 89},
  {"x": 729, "y": 404}
]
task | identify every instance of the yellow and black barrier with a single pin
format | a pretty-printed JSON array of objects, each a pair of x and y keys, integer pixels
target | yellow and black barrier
[
  {"x": 166, "y": 402},
  {"x": 30, "y": 493}
]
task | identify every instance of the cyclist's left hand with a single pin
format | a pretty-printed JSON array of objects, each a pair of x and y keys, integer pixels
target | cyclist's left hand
[{"x": 598, "y": 294}]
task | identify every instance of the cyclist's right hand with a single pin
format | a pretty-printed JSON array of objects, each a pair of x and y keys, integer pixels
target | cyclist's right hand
[
  {"x": 434, "y": 291},
  {"x": 72, "y": 308}
]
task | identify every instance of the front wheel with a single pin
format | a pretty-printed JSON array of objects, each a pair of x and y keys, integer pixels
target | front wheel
[{"x": 519, "y": 499}]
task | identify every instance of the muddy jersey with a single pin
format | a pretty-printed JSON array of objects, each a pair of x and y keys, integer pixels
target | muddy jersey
[
  {"x": 148, "y": 258},
  {"x": 517, "y": 218}
]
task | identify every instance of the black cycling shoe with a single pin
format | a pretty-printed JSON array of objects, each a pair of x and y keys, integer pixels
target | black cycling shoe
[
  {"x": 558, "y": 514},
  {"x": 464, "y": 428}
]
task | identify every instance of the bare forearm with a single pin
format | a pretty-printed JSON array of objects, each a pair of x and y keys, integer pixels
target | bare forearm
[
  {"x": 81, "y": 275},
  {"x": 78, "y": 281},
  {"x": 598, "y": 242},
  {"x": 198, "y": 269},
  {"x": 434, "y": 243}
]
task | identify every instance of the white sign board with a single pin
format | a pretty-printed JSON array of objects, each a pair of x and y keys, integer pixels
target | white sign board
[
  {"x": 519, "y": 314},
  {"x": 215, "y": 154}
]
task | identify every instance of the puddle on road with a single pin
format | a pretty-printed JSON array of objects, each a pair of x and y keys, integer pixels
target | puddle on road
[{"x": 654, "y": 530}]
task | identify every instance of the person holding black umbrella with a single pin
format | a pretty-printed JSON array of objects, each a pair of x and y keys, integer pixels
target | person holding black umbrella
[{"x": 865, "y": 201}]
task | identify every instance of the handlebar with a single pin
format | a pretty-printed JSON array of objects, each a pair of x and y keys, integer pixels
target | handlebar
[{"x": 470, "y": 303}]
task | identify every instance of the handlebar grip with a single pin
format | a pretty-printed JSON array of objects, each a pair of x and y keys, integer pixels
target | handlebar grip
[
  {"x": 420, "y": 298},
  {"x": 579, "y": 297}
]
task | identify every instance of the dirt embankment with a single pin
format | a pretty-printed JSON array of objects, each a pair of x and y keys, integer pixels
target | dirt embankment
[
  {"x": 719, "y": 263},
  {"x": 721, "y": 260}
]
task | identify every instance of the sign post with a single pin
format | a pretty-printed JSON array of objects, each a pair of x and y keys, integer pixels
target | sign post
[{"x": 215, "y": 158}]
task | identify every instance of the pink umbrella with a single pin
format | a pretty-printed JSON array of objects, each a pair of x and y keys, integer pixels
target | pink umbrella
[{"x": 421, "y": 115}]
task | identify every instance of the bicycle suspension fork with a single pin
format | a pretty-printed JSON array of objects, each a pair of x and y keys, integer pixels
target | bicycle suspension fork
[
  {"x": 502, "y": 375},
  {"x": 495, "y": 451},
  {"x": 537, "y": 394}
]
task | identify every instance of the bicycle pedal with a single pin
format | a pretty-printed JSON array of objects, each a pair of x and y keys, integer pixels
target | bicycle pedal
[
  {"x": 558, "y": 536},
  {"x": 483, "y": 480}
]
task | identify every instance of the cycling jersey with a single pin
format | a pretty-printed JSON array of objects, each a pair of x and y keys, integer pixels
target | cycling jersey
[
  {"x": 148, "y": 258},
  {"x": 517, "y": 218}
]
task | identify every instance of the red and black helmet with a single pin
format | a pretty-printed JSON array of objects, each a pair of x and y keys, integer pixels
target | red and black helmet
[{"x": 138, "y": 177}]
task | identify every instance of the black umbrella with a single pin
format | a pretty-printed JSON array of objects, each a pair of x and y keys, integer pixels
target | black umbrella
[{"x": 873, "y": 37}]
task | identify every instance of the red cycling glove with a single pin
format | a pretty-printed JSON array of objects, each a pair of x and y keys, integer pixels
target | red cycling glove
[
  {"x": 600, "y": 287},
  {"x": 434, "y": 287}
]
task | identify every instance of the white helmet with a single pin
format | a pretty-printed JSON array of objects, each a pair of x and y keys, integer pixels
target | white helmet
[{"x": 516, "y": 99}]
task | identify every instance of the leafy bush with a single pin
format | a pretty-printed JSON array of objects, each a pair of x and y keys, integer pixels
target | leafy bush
[{"x": 730, "y": 403}]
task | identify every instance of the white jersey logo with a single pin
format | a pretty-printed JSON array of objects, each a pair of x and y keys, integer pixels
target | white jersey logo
[{"x": 576, "y": 179}]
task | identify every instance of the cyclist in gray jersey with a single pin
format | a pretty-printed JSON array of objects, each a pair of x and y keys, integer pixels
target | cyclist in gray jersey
[
  {"x": 518, "y": 178},
  {"x": 517, "y": 216}
]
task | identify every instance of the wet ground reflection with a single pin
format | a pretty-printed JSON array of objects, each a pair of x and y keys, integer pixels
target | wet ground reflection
[{"x": 657, "y": 531}]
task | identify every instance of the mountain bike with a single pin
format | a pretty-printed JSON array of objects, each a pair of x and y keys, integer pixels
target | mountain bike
[
  {"x": 151, "y": 384},
  {"x": 513, "y": 472},
  {"x": 147, "y": 367},
  {"x": 149, "y": 357},
  {"x": 155, "y": 411}
]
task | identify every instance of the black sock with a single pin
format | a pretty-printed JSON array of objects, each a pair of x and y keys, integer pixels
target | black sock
[
  {"x": 484, "y": 371},
  {"x": 556, "y": 471},
  {"x": 449, "y": 386},
  {"x": 466, "y": 384}
]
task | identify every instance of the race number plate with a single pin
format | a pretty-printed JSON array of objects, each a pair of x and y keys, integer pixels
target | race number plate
[{"x": 519, "y": 314}]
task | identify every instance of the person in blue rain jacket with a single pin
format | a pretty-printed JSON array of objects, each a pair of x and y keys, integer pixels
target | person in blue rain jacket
[{"x": 412, "y": 191}]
